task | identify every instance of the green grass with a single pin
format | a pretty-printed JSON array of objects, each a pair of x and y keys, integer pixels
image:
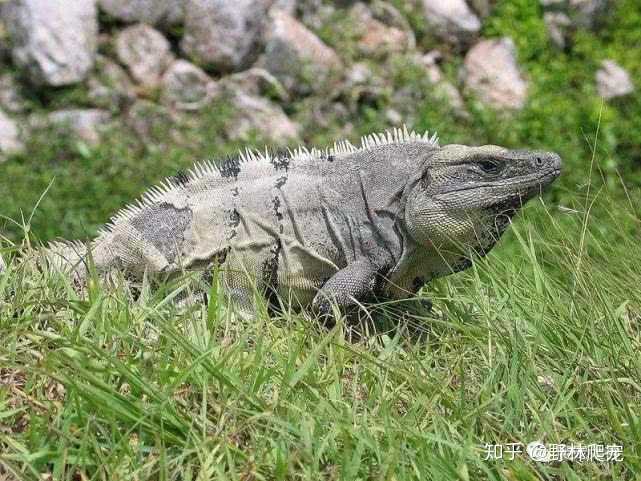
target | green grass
[{"x": 539, "y": 341}]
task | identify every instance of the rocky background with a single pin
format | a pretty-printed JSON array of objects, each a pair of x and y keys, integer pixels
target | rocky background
[{"x": 106, "y": 97}]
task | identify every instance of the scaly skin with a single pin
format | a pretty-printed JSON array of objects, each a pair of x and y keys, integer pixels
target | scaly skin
[{"x": 314, "y": 228}]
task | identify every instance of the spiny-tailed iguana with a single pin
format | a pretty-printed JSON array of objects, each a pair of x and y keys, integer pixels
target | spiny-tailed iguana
[{"x": 316, "y": 227}]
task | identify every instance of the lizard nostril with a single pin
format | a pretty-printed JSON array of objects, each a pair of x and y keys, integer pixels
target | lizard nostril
[{"x": 539, "y": 161}]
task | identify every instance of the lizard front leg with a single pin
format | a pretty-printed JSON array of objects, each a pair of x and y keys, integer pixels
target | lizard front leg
[{"x": 347, "y": 288}]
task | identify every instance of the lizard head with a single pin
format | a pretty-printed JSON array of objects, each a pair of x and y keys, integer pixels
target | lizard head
[{"x": 466, "y": 196}]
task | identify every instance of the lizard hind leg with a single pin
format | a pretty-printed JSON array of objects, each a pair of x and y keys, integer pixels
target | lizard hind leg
[
  {"x": 242, "y": 301},
  {"x": 68, "y": 258},
  {"x": 241, "y": 294}
]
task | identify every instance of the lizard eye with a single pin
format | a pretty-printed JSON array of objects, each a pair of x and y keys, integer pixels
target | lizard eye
[{"x": 490, "y": 166}]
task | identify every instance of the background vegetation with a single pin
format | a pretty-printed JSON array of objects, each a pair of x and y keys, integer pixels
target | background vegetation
[{"x": 539, "y": 341}]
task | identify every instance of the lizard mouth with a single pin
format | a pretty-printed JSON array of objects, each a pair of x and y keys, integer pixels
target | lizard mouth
[
  {"x": 526, "y": 186},
  {"x": 527, "y": 189}
]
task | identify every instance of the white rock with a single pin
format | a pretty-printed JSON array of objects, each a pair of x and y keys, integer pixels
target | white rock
[
  {"x": 491, "y": 71},
  {"x": 145, "y": 53},
  {"x": 297, "y": 57},
  {"x": 154, "y": 12},
  {"x": 9, "y": 137},
  {"x": 85, "y": 124},
  {"x": 54, "y": 41},
  {"x": 186, "y": 86},
  {"x": 224, "y": 35},
  {"x": 258, "y": 115},
  {"x": 612, "y": 80},
  {"x": 452, "y": 20}
]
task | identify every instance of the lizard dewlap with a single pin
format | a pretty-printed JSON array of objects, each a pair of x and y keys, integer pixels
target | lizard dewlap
[{"x": 316, "y": 227}]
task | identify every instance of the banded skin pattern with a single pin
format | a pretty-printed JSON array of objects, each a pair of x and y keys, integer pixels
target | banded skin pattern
[{"x": 313, "y": 227}]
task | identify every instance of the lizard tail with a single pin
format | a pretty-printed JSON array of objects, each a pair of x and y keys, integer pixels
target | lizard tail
[{"x": 67, "y": 257}]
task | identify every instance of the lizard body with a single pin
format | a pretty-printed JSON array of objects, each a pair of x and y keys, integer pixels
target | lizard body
[{"x": 314, "y": 227}]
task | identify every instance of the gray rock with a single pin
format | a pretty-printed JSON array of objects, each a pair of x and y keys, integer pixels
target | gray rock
[
  {"x": 288, "y": 6},
  {"x": 258, "y": 115},
  {"x": 258, "y": 82},
  {"x": 9, "y": 137},
  {"x": 564, "y": 17},
  {"x": 85, "y": 124},
  {"x": 314, "y": 13},
  {"x": 11, "y": 99},
  {"x": 109, "y": 87},
  {"x": 613, "y": 81},
  {"x": 449, "y": 92},
  {"x": 359, "y": 74},
  {"x": 145, "y": 53},
  {"x": 154, "y": 12},
  {"x": 54, "y": 41},
  {"x": 334, "y": 117},
  {"x": 151, "y": 122},
  {"x": 588, "y": 13},
  {"x": 442, "y": 88},
  {"x": 483, "y": 8},
  {"x": 224, "y": 35},
  {"x": 175, "y": 13},
  {"x": 186, "y": 86},
  {"x": 297, "y": 57},
  {"x": 5, "y": 50},
  {"x": 557, "y": 24},
  {"x": 252, "y": 113},
  {"x": 388, "y": 14},
  {"x": 430, "y": 61},
  {"x": 491, "y": 71},
  {"x": 394, "y": 117},
  {"x": 452, "y": 21},
  {"x": 377, "y": 38},
  {"x": 361, "y": 85}
]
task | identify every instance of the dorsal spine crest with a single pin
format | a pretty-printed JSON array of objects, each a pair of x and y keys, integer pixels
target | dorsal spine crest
[{"x": 208, "y": 167}]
